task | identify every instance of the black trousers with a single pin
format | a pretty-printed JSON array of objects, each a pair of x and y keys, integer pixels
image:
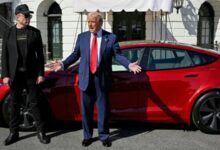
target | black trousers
[{"x": 16, "y": 89}]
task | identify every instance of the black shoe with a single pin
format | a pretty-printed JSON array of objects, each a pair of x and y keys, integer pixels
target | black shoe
[
  {"x": 107, "y": 143},
  {"x": 87, "y": 142},
  {"x": 43, "y": 138},
  {"x": 12, "y": 138}
]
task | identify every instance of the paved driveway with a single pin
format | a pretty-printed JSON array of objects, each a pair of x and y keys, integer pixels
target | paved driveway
[{"x": 125, "y": 136}]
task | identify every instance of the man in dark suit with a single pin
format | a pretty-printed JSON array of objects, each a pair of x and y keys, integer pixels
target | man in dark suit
[
  {"x": 95, "y": 48},
  {"x": 23, "y": 67}
]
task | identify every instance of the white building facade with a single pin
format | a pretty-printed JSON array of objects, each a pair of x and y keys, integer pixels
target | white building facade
[{"x": 196, "y": 23}]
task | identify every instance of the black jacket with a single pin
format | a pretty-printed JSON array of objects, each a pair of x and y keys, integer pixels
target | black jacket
[{"x": 33, "y": 54}]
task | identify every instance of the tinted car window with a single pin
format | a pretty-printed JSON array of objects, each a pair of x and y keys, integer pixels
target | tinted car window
[
  {"x": 200, "y": 59},
  {"x": 166, "y": 58},
  {"x": 133, "y": 54}
]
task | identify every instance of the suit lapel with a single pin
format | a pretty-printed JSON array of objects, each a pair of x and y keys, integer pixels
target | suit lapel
[
  {"x": 28, "y": 36},
  {"x": 87, "y": 46},
  {"x": 14, "y": 41},
  {"x": 103, "y": 44}
]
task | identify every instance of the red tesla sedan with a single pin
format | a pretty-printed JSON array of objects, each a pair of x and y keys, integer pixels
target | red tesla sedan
[{"x": 178, "y": 84}]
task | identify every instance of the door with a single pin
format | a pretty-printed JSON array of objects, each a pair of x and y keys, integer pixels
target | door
[
  {"x": 205, "y": 37},
  {"x": 55, "y": 37},
  {"x": 55, "y": 34},
  {"x": 124, "y": 97},
  {"x": 129, "y": 25},
  {"x": 170, "y": 79}
]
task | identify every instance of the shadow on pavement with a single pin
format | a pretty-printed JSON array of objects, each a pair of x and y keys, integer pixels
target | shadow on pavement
[
  {"x": 123, "y": 129},
  {"x": 119, "y": 130},
  {"x": 27, "y": 136},
  {"x": 62, "y": 127},
  {"x": 128, "y": 129}
]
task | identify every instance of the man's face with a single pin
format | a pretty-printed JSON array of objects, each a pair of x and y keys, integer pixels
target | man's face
[
  {"x": 93, "y": 24},
  {"x": 23, "y": 19}
]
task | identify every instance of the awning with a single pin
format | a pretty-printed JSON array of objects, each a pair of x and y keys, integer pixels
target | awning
[{"x": 119, "y": 5}]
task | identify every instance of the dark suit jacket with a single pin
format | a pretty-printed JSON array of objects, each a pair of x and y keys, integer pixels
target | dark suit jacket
[
  {"x": 109, "y": 47},
  {"x": 33, "y": 53}
]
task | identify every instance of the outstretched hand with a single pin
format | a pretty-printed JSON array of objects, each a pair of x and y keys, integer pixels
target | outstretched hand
[
  {"x": 55, "y": 65},
  {"x": 40, "y": 79},
  {"x": 134, "y": 67},
  {"x": 6, "y": 80}
]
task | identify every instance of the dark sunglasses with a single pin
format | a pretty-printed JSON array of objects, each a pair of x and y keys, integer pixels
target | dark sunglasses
[{"x": 28, "y": 16}]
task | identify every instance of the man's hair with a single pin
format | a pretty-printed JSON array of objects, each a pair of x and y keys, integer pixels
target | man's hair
[{"x": 96, "y": 15}]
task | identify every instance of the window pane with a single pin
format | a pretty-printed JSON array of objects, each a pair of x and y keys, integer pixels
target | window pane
[
  {"x": 162, "y": 53},
  {"x": 122, "y": 28},
  {"x": 137, "y": 29},
  {"x": 203, "y": 23},
  {"x": 173, "y": 59},
  {"x": 203, "y": 32},
  {"x": 203, "y": 39},
  {"x": 207, "y": 41},
  {"x": 207, "y": 32},
  {"x": 200, "y": 59},
  {"x": 207, "y": 25}
]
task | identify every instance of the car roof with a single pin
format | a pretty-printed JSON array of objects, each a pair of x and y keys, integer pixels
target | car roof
[{"x": 168, "y": 44}]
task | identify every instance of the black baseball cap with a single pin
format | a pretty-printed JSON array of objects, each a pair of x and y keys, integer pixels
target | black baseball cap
[{"x": 23, "y": 9}]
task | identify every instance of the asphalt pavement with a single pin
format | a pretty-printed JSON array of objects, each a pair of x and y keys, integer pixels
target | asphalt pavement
[{"x": 124, "y": 136}]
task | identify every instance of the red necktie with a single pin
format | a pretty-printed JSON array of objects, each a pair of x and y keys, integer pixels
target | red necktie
[{"x": 93, "y": 54}]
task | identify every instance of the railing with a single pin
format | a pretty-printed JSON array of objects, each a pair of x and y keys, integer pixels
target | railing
[
  {"x": 4, "y": 24},
  {"x": 216, "y": 46}
]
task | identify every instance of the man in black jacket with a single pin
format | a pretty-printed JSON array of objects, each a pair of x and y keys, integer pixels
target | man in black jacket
[{"x": 23, "y": 67}]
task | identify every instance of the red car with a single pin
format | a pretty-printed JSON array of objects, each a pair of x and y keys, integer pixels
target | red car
[{"x": 178, "y": 84}]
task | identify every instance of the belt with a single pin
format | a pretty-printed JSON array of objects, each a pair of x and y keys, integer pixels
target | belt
[{"x": 22, "y": 69}]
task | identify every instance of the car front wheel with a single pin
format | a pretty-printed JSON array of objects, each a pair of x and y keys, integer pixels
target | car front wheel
[{"x": 206, "y": 112}]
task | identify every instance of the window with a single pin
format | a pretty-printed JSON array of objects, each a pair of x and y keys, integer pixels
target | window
[
  {"x": 200, "y": 59},
  {"x": 133, "y": 54},
  {"x": 206, "y": 26},
  {"x": 6, "y": 11},
  {"x": 167, "y": 58},
  {"x": 55, "y": 47},
  {"x": 129, "y": 25}
]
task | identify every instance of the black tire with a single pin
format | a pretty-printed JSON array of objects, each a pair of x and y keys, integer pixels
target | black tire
[
  {"x": 206, "y": 113},
  {"x": 5, "y": 110},
  {"x": 1, "y": 117},
  {"x": 27, "y": 121}
]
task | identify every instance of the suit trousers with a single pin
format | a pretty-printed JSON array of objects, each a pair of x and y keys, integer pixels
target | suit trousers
[
  {"x": 20, "y": 83},
  {"x": 95, "y": 94}
]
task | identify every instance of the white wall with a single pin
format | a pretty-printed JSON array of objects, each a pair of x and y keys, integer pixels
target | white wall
[
  {"x": 180, "y": 27},
  {"x": 184, "y": 25}
]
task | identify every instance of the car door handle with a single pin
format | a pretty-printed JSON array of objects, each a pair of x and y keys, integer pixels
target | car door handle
[{"x": 191, "y": 75}]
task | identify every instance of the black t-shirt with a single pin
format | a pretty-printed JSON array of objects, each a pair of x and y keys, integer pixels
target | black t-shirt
[{"x": 21, "y": 46}]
